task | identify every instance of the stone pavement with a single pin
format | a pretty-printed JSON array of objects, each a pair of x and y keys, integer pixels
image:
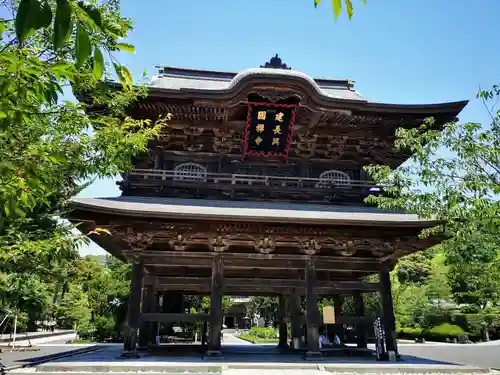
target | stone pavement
[
  {"x": 243, "y": 358},
  {"x": 229, "y": 338},
  {"x": 483, "y": 355},
  {"x": 237, "y": 360}
]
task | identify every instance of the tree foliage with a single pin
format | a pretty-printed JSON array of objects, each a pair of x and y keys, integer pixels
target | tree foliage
[
  {"x": 337, "y": 7},
  {"x": 49, "y": 146},
  {"x": 453, "y": 176}
]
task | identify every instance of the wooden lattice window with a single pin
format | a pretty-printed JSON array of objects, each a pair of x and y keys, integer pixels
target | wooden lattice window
[
  {"x": 190, "y": 172},
  {"x": 333, "y": 177}
]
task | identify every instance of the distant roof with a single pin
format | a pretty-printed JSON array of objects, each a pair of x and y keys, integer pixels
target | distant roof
[
  {"x": 173, "y": 78},
  {"x": 153, "y": 207}
]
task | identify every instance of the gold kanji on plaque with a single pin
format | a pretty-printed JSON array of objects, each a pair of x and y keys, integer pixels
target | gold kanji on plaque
[
  {"x": 260, "y": 127},
  {"x": 261, "y": 115},
  {"x": 258, "y": 140},
  {"x": 279, "y": 117},
  {"x": 276, "y": 141},
  {"x": 277, "y": 129}
]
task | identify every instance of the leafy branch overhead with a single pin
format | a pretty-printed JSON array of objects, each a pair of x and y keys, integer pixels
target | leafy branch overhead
[
  {"x": 50, "y": 147},
  {"x": 337, "y": 7},
  {"x": 453, "y": 176},
  {"x": 80, "y": 19}
]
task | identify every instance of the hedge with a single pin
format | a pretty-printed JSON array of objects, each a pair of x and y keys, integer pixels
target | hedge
[
  {"x": 256, "y": 340},
  {"x": 263, "y": 333},
  {"x": 442, "y": 332},
  {"x": 472, "y": 324}
]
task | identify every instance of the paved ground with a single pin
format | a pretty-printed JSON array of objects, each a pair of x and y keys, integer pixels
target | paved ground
[
  {"x": 230, "y": 339},
  {"x": 483, "y": 355},
  {"x": 8, "y": 359},
  {"x": 32, "y": 335}
]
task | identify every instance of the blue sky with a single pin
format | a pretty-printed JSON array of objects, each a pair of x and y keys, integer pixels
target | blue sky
[{"x": 396, "y": 51}]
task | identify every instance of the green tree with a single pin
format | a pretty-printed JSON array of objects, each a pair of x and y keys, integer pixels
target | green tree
[
  {"x": 476, "y": 283},
  {"x": 48, "y": 146},
  {"x": 74, "y": 309},
  {"x": 337, "y": 7},
  {"x": 453, "y": 177}
]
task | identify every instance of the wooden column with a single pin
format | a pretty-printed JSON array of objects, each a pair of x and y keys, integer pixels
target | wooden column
[
  {"x": 359, "y": 311},
  {"x": 214, "y": 345},
  {"x": 134, "y": 309},
  {"x": 295, "y": 314},
  {"x": 338, "y": 302},
  {"x": 148, "y": 294},
  {"x": 172, "y": 303},
  {"x": 283, "y": 343},
  {"x": 312, "y": 315},
  {"x": 154, "y": 326},
  {"x": 388, "y": 318}
]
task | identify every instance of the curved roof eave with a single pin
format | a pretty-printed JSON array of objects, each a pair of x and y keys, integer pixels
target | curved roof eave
[
  {"x": 162, "y": 208},
  {"x": 302, "y": 81}
]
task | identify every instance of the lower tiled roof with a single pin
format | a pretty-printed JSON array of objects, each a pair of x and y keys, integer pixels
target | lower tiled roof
[{"x": 246, "y": 211}]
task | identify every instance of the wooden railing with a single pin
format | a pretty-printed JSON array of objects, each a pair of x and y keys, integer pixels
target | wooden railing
[{"x": 171, "y": 177}]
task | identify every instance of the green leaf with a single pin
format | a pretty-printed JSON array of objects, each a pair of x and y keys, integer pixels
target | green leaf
[
  {"x": 337, "y": 7},
  {"x": 63, "y": 25},
  {"x": 93, "y": 13},
  {"x": 316, "y": 3},
  {"x": 119, "y": 73},
  {"x": 98, "y": 64},
  {"x": 23, "y": 20},
  {"x": 83, "y": 46},
  {"x": 63, "y": 70},
  {"x": 126, "y": 47},
  {"x": 44, "y": 17},
  {"x": 127, "y": 75},
  {"x": 350, "y": 11}
]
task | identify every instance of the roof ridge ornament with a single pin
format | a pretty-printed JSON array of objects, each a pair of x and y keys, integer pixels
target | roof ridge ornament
[{"x": 275, "y": 63}]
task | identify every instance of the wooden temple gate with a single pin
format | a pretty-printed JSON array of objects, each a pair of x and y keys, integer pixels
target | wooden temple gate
[
  {"x": 313, "y": 256},
  {"x": 221, "y": 204}
]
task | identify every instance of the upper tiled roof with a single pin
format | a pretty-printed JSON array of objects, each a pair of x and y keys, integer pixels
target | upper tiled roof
[{"x": 178, "y": 79}]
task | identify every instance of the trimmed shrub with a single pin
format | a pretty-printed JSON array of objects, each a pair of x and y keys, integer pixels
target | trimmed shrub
[
  {"x": 409, "y": 333},
  {"x": 263, "y": 333},
  {"x": 444, "y": 332}
]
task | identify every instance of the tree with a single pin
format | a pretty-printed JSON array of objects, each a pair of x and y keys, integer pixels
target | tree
[
  {"x": 476, "y": 283},
  {"x": 74, "y": 309},
  {"x": 453, "y": 176},
  {"x": 49, "y": 146},
  {"x": 337, "y": 7}
]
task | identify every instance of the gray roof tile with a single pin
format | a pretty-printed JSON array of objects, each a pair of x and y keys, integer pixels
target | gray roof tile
[
  {"x": 245, "y": 210},
  {"x": 178, "y": 80}
]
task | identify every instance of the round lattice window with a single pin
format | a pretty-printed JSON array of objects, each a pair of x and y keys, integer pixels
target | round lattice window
[
  {"x": 190, "y": 172},
  {"x": 332, "y": 178}
]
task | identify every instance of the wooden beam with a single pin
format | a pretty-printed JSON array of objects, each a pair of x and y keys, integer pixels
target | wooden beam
[
  {"x": 172, "y": 317},
  {"x": 202, "y": 283},
  {"x": 254, "y": 260},
  {"x": 347, "y": 319}
]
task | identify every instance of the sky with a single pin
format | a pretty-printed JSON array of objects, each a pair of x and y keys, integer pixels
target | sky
[{"x": 402, "y": 52}]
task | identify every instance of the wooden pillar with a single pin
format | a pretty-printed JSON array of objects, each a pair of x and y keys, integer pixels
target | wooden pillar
[
  {"x": 148, "y": 294},
  {"x": 154, "y": 326},
  {"x": 388, "y": 318},
  {"x": 283, "y": 342},
  {"x": 172, "y": 303},
  {"x": 214, "y": 345},
  {"x": 134, "y": 309},
  {"x": 312, "y": 315},
  {"x": 295, "y": 314},
  {"x": 359, "y": 311},
  {"x": 338, "y": 302}
]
